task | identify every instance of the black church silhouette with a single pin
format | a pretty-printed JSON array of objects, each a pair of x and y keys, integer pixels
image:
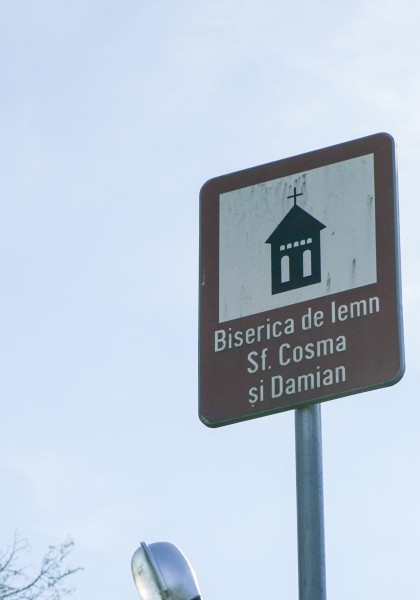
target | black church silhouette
[{"x": 295, "y": 250}]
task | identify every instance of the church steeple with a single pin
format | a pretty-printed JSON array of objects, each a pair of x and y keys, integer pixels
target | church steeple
[{"x": 295, "y": 249}]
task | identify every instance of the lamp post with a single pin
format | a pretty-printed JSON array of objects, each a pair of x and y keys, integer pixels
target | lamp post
[{"x": 162, "y": 572}]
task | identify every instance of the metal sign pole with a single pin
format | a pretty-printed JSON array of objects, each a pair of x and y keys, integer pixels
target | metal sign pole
[{"x": 310, "y": 503}]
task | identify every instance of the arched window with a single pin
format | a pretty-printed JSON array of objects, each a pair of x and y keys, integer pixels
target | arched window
[
  {"x": 307, "y": 263},
  {"x": 285, "y": 269}
]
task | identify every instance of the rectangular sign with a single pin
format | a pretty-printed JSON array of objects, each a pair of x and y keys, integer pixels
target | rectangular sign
[{"x": 299, "y": 282}]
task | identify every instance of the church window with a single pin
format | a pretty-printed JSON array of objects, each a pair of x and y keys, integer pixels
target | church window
[
  {"x": 285, "y": 268},
  {"x": 307, "y": 263}
]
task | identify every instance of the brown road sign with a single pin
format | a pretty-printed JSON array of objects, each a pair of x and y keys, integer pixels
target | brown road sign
[{"x": 300, "y": 298}]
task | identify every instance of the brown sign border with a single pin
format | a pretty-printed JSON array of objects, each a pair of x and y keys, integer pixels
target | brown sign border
[{"x": 378, "y": 339}]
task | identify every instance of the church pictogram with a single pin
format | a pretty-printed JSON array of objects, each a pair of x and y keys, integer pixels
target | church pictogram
[{"x": 295, "y": 250}]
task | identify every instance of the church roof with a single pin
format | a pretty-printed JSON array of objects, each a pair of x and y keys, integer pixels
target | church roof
[{"x": 297, "y": 224}]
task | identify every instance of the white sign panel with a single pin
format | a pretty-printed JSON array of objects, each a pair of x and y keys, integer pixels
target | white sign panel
[{"x": 340, "y": 196}]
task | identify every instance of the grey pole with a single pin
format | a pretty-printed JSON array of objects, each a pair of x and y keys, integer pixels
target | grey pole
[{"x": 310, "y": 503}]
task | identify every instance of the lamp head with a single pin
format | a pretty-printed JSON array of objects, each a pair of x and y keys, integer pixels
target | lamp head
[{"x": 162, "y": 572}]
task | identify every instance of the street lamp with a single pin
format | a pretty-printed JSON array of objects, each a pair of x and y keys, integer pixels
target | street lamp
[{"x": 162, "y": 572}]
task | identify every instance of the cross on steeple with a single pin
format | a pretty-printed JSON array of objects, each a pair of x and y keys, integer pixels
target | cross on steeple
[{"x": 295, "y": 195}]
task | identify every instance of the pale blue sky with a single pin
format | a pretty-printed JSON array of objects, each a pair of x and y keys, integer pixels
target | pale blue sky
[{"x": 112, "y": 116}]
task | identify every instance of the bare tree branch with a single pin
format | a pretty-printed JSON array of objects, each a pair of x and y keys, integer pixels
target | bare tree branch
[{"x": 50, "y": 582}]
